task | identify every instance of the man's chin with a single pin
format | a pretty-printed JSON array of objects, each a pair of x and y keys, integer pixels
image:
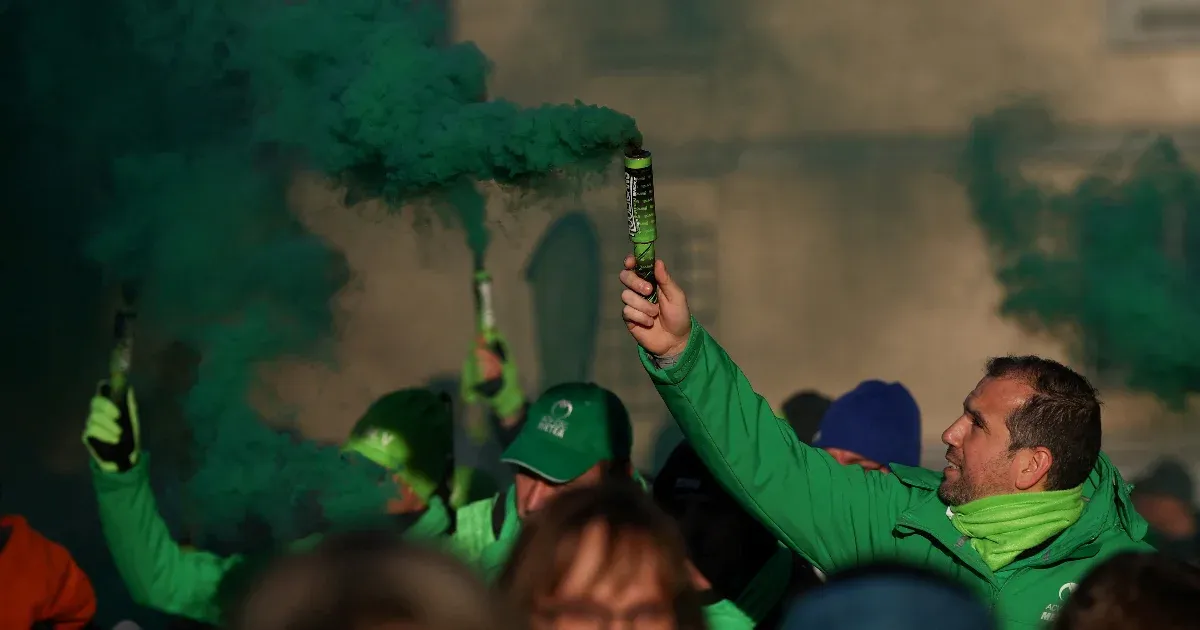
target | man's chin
[{"x": 949, "y": 494}]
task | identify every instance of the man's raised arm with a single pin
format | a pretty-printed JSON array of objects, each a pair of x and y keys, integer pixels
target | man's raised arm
[{"x": 835, "y": 516}]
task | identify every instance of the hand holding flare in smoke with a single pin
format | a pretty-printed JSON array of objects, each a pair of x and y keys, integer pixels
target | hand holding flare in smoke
[
  {"x": 363, "y": 92},
  {"x": 489, "y": 373}
]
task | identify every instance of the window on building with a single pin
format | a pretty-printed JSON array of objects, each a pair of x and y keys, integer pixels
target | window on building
[
  {"x": 653, "y": 37},
  {"x": 1154, "y": 23}
]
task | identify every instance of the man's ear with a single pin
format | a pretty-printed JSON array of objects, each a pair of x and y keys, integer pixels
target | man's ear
[{"x": 1033, "y": 468}]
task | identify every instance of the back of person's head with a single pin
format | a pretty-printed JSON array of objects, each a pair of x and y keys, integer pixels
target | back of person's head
[
  {"x": 1167, "y": 478},
  {"x": 370, "y": 581},
  {"x": 804, "y": 410},
  {"x": 1135, "y": 591},
  {"x": 727, "y": 545},
  {"x": 893, "y": 596},
  {"x": 597, "y": 555}
]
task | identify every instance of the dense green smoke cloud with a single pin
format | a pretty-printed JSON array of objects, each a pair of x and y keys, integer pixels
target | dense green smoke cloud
[
  {"x": 180, "y": 125},
  {"x": 1110, "y": 266}
]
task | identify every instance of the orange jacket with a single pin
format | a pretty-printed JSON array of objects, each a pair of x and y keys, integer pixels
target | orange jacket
[{"x": 41, "y": 581}]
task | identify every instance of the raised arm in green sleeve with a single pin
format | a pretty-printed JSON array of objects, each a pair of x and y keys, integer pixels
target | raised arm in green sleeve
[
  {"x": 835, "y": 516},
  {"x": 157, "y": 571}
]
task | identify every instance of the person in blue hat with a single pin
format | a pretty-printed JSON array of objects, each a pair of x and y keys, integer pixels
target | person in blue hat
[{"x": 874, "y": 425}]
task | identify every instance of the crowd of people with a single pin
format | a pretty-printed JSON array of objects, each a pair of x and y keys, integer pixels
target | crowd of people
[{"x": 813, "y": 516}]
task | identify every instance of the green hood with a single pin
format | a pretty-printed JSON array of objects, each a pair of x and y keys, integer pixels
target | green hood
[{"x": 1107, "y": 506}]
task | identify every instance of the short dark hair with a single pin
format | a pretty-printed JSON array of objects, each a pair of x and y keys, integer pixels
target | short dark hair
[
  {"x": 804, "y": 410},
  {"x": 1063, "y": 415}
]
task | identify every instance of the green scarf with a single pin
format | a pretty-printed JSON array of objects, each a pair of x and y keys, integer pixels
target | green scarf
[{"x": 1004, "y": 526}]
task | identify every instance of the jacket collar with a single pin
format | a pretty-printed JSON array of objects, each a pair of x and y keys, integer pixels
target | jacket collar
[{"x": 1108, "y": 506}]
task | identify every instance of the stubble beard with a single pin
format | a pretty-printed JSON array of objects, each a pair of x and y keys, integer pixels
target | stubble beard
[{"x": 957, "y": 492}]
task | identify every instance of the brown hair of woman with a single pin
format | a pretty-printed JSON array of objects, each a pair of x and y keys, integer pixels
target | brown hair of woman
[{"x": 601, "y": 555}]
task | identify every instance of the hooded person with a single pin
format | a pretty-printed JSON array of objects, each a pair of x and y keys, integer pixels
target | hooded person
[
  {"x": 574, "y": 435},
  {"x": 745, "y": 576},
  {"x": 398, "y": 431},
  {"x": 874, "y": 425},
  {"x": 1165, "y": 497},
  {"x": 410, "y": 434}
]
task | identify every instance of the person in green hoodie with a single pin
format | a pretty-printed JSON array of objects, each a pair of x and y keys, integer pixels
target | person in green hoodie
[
  {"x": 410, "y": 433},
  {"x": 406, "y": 433},
  {"x": 598, "y": 446},
  {"x": 1026, "y": 506}
]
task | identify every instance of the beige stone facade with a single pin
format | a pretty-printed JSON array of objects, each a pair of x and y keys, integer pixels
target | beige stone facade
[{"x": 803, "y": 176}]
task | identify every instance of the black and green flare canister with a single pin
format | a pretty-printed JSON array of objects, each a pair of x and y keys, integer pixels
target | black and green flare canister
[
  {"x": 639, "y": 212},
  {"x": 116, "y": 387},
  {"x": 122, "y": 354},
  {"x": 486, "y": 325}
]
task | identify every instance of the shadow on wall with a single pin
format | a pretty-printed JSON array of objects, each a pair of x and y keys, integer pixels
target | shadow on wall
[
  {"x": 482, "y": 457},
  {"x": 564, "y": 280}
]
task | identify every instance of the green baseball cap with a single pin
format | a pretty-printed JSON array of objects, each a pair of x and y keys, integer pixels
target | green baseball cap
[
  {"x": 569, "y": 429},
  {"x": 409, "y": 432}
]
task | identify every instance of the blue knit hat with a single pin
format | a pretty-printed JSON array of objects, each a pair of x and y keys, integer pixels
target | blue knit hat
[{"x": 878, "y": 420}]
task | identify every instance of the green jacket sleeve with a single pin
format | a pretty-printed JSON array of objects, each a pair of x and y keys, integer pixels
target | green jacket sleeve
[
  {"x": 157, "y": 571},
  {"x": 724, "y": 615},
  {"x": 834, "y": 516}
]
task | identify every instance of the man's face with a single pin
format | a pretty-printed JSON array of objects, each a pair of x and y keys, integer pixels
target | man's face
[
  {"x": 979, "y": 462},
  {"x": 534, "y": 492},
  {"x": 846, "y": 458}
]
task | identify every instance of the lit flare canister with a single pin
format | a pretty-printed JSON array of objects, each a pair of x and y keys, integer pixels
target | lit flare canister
[
  {"x": 483, "y": 302},
  {"x": 639, "y": 211},
  {"x": 122, "y": 354},
  {"x": 477, "y": 427},
  {"x": 487, "y": 328}
]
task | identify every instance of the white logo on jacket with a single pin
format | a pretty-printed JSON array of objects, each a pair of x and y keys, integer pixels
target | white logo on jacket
[{"x": 1064, "y": 593}]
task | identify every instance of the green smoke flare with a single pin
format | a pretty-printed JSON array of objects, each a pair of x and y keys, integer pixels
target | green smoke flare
[
  {"x": 181, "y": 123},
  {"x": 1104, "y": 266}
]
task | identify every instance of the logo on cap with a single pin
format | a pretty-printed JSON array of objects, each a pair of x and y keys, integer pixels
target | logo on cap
[
  {"x": 555, "y": 422},
  {"x": 382, "y": 438}
]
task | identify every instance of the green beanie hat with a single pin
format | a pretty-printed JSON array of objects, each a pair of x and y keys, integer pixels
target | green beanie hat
[{"x": 411, "y": 433}]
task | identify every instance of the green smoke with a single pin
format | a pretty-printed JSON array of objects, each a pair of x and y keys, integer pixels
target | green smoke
[
  {"x": 1103, "y": 266},
  {"x": 171, "y": 130}
]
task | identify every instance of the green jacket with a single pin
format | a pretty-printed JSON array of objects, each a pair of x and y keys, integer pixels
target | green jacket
[
  {"x": 185, "y": 582},
  {"x": 488, "y": 529},
  {"x": 839, "y": 516}
]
